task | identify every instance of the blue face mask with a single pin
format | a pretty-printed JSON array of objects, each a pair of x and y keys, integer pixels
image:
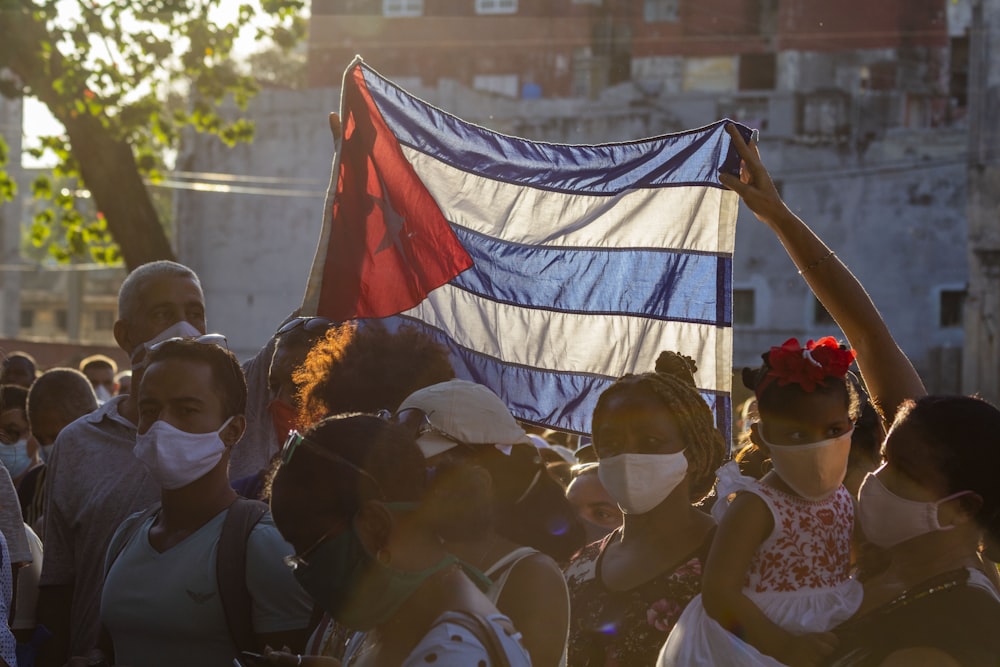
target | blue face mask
[{"x": 14, "y": 457}]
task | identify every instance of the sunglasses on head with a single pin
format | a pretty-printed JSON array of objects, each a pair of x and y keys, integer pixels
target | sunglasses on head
[
  {"x": 418, "y": 422},
  {"x": 314, "y": 325},
  {"x": 207, "y": 339}
]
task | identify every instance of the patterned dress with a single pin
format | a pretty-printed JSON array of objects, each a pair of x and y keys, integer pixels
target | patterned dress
[
  {"x": 799, "y": 577},
  {"x": 624, "y": 628}
]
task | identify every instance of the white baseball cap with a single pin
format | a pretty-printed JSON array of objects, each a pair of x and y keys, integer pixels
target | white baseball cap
[{"x": 459, "y": 411}]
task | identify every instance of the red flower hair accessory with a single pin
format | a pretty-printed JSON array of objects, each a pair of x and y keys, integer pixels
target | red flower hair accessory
[{"x": 806, "y": 366}]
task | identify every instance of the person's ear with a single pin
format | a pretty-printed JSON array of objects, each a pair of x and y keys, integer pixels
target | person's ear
[
  {"x": 373, "y": 524},
  {"x": 233, "y": 431},
  {"x": 120, "y": 331},
  {"x": 960, "y": 510}
]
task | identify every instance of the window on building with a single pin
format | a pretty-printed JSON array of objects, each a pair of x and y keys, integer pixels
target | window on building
[
  {"x": 758, "y": 71},
  {"x": 821, "y": 317},
  {"x": 958, "y": 82},
  {"x": 402, "y": 7},
  {"x": 62, "y": 321},
  {"x": 27, "y": 318},
  {"x": 104, "y": 320},
  {"x": 496, "y": 6},
  {"x": 502, "y": 84},
  {"x": 744, "y": 307},
  {"x": 824, "y": 113},
  {"x": 660, "y": 10},
  {"x": 951, "y": 304}
]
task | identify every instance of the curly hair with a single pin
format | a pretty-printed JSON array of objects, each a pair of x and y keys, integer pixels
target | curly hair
[
  {"x": 672, "y": 383},
  {"x": 367, "y": 368}
]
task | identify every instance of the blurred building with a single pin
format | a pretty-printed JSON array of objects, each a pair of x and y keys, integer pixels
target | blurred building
[
  {"x": 861, "y": 107},
  {"x": 577, "y": 48}
]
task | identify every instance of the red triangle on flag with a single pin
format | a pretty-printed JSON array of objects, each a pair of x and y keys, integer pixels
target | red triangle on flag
[{"x": 389, "y": 244}]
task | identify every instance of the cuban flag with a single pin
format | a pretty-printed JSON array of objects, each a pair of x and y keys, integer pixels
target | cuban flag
[{"x": 548, "y": 270}]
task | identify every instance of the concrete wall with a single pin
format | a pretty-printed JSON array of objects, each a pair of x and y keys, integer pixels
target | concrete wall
[
  {"x": 251, "y": 240},
  {"x": 10, "y": 220},
  {"x": 895, "y": 216}
]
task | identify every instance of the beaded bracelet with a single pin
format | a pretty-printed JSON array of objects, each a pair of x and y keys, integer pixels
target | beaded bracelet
[{"x": 817, "y": 262}]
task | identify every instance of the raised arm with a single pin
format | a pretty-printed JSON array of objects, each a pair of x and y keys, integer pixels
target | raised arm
[{"x": 888, "y": 373}]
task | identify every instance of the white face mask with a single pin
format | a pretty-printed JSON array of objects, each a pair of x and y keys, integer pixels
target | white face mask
[
  {"x": 888, "y": 519},
  {"x": 182, "y": 329},
  {"x": 14, "y": 457},
  {"x": 176, "y": 458},
  {"x": 640, "y": 482},
  {"x": 103, "y": 395},
  {"x": 814, "y": 470}
]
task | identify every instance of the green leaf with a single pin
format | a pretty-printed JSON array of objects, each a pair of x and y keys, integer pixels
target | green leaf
[
  {"x": 8, "y": 188},
  {"x": 41, "y": 188}
]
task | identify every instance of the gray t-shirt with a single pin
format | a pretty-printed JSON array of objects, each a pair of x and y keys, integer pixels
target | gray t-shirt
[
  {"x": 95, "y": 481},
  {"x": 163, "y": 608}
]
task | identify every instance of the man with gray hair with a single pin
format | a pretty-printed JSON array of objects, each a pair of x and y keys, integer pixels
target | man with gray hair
[{"x": 94, "y": 480}]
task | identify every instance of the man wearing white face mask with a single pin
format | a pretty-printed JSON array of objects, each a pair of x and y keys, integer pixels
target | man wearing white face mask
[
  {"x": 100, "y": 370},
  {"x": 161, "y": 577},
  {"x": 94, "y": 480}
]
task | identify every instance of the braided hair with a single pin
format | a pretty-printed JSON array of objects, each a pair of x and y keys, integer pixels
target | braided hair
[{"x": 672, "y": 383}]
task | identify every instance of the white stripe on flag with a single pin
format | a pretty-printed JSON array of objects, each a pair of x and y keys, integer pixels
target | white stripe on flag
[
  {"x": 604, "y": 345},
  {"x": 661, "y": 218}
]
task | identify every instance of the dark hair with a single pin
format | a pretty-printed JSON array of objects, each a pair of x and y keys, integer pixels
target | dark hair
[
  {"x": 324, "y": 471},
  {"x": 961, "y": 433},
  {"x": 368, "y": 368},
  {"x": 65, "y": 391},
  {"x": 20, "y": 356},
  {"x": 13, "y": 397},
  {"x": 673, "y": 383},
  {"x": 227, "y": 374},
  {"x": 98, "y": 361}
]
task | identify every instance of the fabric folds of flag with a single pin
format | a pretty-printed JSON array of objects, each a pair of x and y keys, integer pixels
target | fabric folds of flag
[{"x": 548, "y": 270}]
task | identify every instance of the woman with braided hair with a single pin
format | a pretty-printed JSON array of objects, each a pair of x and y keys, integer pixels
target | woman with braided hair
[{"x": 658, "y": 448}]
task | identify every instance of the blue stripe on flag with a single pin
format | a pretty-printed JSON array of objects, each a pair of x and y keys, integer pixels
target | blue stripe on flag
[
  {"x": 605, "y": 169},
  {"x": 544, "y": 397},
  {"x": 659, "y": 284}
]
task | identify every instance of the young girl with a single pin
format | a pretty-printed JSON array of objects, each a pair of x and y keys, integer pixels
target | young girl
[{"x": 777, "y": 577}]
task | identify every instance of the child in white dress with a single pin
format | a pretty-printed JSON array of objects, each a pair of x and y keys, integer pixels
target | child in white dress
[{"x": 777, "y": 578}]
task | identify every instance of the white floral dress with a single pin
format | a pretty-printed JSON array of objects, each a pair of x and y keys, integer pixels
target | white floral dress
[{"x": 799, "y": 577}]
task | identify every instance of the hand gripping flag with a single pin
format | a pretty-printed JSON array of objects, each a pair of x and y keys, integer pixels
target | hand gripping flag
[{"x": 548, "y": 270}]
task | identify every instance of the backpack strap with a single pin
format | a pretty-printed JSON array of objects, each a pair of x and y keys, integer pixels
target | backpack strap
[
  {"x": 231, "y": 571},
  {"x": 482, "y": 630},
  {"x": 501, "y": 570}
]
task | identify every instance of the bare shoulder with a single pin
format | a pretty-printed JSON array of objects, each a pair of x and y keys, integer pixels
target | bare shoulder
[{"x": 537, "y": 569}]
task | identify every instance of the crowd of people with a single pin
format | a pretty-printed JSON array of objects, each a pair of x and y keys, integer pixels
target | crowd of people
[{"x": 343, "y": 499}]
